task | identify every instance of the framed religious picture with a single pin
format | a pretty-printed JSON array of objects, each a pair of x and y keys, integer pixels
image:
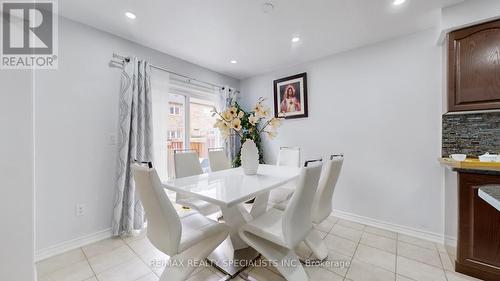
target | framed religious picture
[{"x": 290, "y": 97}]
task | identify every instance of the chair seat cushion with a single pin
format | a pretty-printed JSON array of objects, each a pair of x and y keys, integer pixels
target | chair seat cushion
[
  {"x": 201, "y": 206},
  {"x": 196, "y": 227},
  {"x": 268, "y": 226},
  {"x": 282, "y": 193},
  {"x": 280, "y": 205}
]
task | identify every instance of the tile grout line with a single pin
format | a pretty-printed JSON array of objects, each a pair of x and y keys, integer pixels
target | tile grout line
[
  {"x": 397, "y": 253},
  {"x": 90, "y": 265},
  {"x": 350, "y": 261},
  {"x": 442, "y": 264},
  {"x": 397, "y": 245},
  {"x": 68, "y": 265},
  {"x": 144, "y": 262},
  {"x": 414, "y": 244},
  {"x": 406, "y": 257},
  {"x": 359, "y": 242},
  {"x": 375, "y": 248},
  {"x": 383, "y": 250},
  {"x": 121, "y": 263},
  {"x": 328, "y": 233},
  {"x": 140, "y": 258},
  {"x": 352, "y": 258},
  {"x": 423, "y": 262}
]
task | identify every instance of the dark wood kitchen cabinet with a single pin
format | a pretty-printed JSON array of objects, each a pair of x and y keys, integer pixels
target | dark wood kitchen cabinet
[
  {"x": 478, "y": 247},
  {"x": 474, "y": 68}
]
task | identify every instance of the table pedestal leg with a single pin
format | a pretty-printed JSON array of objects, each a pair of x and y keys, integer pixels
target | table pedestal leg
[
  {"x": 233, "y": 255},
  {"x": 235, "y": 217}
]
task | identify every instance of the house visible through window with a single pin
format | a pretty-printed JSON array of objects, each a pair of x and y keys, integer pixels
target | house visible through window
[
  {"x": 175, "y": 109},
  {"x": 175, "y": 134}
]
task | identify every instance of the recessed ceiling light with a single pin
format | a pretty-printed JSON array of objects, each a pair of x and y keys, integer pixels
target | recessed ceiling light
[
  {"x": 234, "y": 61},
  {"x": 130, "y": 15},
  {"x": 295, "y": 39},
  {"x": 267, "y": 7},
  {"x": 398, "y": 2}
]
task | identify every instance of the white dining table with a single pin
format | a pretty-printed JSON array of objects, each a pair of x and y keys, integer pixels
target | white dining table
[{"x": 229, "y": 189}]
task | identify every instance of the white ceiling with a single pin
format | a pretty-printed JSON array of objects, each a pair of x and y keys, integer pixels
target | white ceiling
[{"x": 210, "y": 33}]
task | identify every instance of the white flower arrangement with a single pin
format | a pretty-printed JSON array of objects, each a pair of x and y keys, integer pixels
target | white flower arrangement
[{"x": 246, "y": 124}]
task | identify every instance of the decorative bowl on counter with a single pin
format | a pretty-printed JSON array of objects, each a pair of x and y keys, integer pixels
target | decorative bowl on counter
[
  {"x": 458, "y": 157},
  {"x": 487, "y": 157}
]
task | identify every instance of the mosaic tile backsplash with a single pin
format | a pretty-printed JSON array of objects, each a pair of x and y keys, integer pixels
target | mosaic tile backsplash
[{"x": 471, "y": 134}]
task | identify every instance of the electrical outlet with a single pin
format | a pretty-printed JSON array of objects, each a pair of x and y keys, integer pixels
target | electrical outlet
[{"x": 80, "y": 210}]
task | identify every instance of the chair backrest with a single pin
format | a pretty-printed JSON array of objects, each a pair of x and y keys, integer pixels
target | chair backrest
[
  {"x": 218, "y": 160},
  {"x": 297, "y": 216},
  {"x": 164, "y": 225},
  {"x": 186, "y": 164},
  {"x": 322, "y": 205},
  {"x": 289, "y": 156}
]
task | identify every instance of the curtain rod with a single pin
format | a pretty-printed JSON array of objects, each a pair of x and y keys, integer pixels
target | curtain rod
[{"x": 127, "y": 60}]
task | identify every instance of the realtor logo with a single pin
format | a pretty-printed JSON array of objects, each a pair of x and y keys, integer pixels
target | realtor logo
[{"x": 29, "y": 33}]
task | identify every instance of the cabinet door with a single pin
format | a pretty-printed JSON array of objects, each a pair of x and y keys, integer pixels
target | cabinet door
[
  {"x": 478, "y": 248},
  {"x": 474, "y": 68}
]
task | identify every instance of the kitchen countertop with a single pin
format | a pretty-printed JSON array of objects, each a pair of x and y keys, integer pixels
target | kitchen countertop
[
  {"x": 470, "y": 164},
  {"x": 491, "y": 194}
]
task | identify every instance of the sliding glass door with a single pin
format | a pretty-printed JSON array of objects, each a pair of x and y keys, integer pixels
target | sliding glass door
[
  {"x": 176, "y": 129},
  {"x": 182, "y": 119},
  {"x": 202, "y": 134}
]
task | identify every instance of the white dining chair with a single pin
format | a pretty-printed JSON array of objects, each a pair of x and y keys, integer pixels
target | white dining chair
[
  {"x": 185, "y": 239},
  {"x": 186, "y": 164},
  {"x": 322, "y": 205},
  {"x": 218, "y": 160},
  {"x": 276, "y": 233},
  {"x": 290, "y": 157}
]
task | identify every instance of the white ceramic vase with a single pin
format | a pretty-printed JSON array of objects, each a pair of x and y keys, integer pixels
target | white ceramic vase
[{"x": 249, "y": 157}]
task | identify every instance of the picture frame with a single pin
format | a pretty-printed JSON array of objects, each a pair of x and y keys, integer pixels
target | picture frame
[{"x": 290, "y": 97}]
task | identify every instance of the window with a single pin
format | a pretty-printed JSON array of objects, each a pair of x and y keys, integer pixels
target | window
[
  {"x": 175, "y": 109},
  {"x": 203, "y": 135},
  {"x": 175, "y": 134},
  {"x": 182, "y": 119}
]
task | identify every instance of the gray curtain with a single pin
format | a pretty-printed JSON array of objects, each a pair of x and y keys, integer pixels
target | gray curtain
[
  {"x": 228, "y": 97},
  {"x": 135, "y": 142}
]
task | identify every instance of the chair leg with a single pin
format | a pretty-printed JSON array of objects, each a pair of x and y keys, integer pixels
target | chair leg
[
  {"x": 182, "y": 265},
  {"x": 260, "y": 204},
  {"x": 285, "y": 260},
  {"x": 317, "y": 245}
]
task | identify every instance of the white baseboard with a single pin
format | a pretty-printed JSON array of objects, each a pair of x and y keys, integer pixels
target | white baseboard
[
  {"x": 72, "y": 244},
  {"x": 450, "y": 241},
  {"x": 418, "y": 233}
]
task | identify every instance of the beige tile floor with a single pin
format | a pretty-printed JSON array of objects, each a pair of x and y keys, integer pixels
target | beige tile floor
[{"x": 356, "y": 253}]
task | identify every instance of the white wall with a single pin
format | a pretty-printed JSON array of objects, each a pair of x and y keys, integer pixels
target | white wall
[
  {"x": 76, "y": 111},
  {"x": 16, "y": 176},
  {"x": 467, "y": 13},
  {"x": 381, "y": 106}
]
